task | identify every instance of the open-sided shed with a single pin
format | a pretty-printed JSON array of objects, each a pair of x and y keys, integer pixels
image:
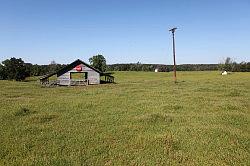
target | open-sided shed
[{"x": 77, "y": 73}]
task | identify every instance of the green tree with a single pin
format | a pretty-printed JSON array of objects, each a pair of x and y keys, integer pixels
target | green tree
[
  {"x": 15, "y": 69},
  {"x": 28, "y": 69},
  {"x": 227, "y": 65},
  {"x": 3, "y": 74},
  {"x": 98, "y": 62}
]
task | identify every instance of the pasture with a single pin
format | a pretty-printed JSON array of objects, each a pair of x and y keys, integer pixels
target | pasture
[{"x": 144, "y": 119}]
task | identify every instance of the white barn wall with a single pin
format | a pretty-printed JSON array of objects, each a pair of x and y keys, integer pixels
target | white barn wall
[
  {"x": 64, "y": 79},
  {"x": 93, "y": 76}
]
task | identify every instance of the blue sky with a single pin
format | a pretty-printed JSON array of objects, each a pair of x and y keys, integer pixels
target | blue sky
[{"x": 125, "y": 31}]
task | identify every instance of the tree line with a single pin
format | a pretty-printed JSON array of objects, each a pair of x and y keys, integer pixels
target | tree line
[
  {"x": 227, "y": 65},
  {"x": 230, "y": 65},
  {"x": 161, "y": 67},
  {"x": 17, "y": 69}
]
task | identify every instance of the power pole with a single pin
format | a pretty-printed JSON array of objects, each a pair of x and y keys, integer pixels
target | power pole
[{"x": 174, "y": 68}]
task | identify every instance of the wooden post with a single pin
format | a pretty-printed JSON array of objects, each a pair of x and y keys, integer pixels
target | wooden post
[{"x": 174, "y": 68}]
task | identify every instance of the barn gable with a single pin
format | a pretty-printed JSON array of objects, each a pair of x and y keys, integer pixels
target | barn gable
[
  {"x": 78, "y": 73},
  {"x": 75, "y": 64}
]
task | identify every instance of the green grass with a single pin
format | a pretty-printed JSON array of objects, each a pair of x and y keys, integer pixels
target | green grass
[{"x": 144, "y": 119}]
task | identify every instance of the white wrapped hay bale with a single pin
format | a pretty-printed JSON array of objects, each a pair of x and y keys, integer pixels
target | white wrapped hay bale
[{"x": 224, "y": 73}]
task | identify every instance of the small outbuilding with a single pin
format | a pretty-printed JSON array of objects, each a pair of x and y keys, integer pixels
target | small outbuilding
[{"x": 77, "y": 73}]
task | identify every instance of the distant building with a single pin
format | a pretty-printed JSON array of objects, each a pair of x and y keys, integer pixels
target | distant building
[
  {"x": 156, "y": 70},
  {"x": 77, "y": 73}
]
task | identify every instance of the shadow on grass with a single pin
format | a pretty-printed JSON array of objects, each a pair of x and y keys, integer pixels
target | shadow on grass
[{"x": 23, "y": 112}]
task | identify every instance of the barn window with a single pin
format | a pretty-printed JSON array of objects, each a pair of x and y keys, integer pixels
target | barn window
[{"x": 78, "y": 76}]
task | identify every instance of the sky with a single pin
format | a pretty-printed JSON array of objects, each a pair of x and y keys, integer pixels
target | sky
[{"x": 125, "y": 31}]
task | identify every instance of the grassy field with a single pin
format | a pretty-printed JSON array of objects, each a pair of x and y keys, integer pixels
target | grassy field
[{"x": 144, "y": 119}]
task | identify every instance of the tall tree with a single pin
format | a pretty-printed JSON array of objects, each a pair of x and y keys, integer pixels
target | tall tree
[{"x": 98, "y": 62}]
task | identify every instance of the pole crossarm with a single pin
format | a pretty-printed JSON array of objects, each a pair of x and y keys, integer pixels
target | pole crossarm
[{"x": 173, "y": 30}]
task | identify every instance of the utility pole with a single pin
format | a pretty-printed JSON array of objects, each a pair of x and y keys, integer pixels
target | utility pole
[{"x": 174, "y": 68}]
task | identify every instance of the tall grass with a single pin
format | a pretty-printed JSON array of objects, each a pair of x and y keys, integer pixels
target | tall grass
[{"x": 143, "y": 119}]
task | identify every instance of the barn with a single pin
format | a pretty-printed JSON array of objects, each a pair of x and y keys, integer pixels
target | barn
[{"x": 77, "y": 73}]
